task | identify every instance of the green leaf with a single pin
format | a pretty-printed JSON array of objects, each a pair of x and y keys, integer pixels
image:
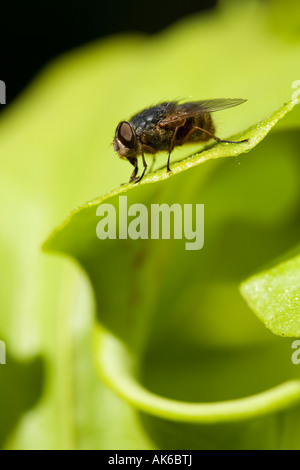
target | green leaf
[
  {"x": 168, "y": 321},
  {"x": 274, "y": 295},
  {"x": 117, "y": 368}
]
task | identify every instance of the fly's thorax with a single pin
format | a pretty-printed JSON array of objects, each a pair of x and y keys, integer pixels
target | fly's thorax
[
  {"x": 154, "y": 138},
  {"x": 151, "y": 116}
]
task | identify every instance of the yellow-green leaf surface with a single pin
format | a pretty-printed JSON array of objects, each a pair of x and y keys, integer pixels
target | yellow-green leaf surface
[
  {"x": 274, "y": 295},
  {"x": 178, "y": 314}
]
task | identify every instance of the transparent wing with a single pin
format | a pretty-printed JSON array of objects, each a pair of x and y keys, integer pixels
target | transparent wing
[{"x": 196, "y": 108}]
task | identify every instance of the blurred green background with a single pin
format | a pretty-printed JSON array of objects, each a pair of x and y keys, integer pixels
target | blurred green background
[{"x": 192, "y": 335}]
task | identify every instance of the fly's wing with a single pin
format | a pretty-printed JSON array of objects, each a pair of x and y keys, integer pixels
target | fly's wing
[{"x": 196, "y": 108}]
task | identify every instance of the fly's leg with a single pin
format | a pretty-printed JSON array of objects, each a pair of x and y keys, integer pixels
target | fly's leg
[
  {"x": 133, "y": 162},
  {"x": 196, "y": 128},
  {"x": 172, "y": 142},
  {"x": 145, "y": 167}
]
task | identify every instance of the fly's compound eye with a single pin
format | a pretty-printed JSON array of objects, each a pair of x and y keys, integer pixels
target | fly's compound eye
[{"x": 126, "y": 134}]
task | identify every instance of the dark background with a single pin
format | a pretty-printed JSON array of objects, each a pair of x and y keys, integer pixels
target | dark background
[{"x": 32, "y": 32}]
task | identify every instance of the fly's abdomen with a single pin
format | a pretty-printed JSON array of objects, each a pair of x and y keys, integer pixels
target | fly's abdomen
[
  {"x": 204, "y": 122},
  {"x": 189, "y": 132}
]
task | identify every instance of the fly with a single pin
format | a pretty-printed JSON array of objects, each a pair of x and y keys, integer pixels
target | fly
[{"x": 168, "y": 125}]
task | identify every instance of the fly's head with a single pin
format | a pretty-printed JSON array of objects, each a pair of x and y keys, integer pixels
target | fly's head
[{"x": 125, "y": 141}]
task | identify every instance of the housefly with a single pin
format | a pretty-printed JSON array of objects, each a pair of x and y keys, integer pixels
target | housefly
[{"x": 165, "y": 126}]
